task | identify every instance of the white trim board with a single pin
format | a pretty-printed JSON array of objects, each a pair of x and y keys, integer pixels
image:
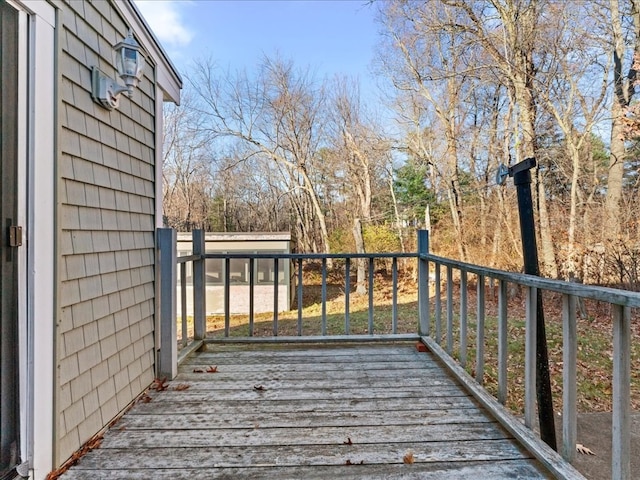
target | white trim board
[{"x": 37, "y": 256}]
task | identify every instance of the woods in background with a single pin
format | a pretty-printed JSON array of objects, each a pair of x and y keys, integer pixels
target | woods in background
[{"x": 465, "y": 85}]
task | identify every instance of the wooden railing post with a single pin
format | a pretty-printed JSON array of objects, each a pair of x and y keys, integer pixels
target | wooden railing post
[
  {"x": 621, "y": 447},
  {"x": 480, "y": 317},
  {"x": 450, "y": 310},
  {"x": 199, "y": 286},
  {"x": 569, "y": 387},
  {"x": 530, "y": 357},
  {"x": 438, "y": 304},
  {"x": 168, "y": 354},
  {"x": 463, "y": 318},
  {"x": 503, "y": 344},
  {"x": 423, "y": 284}
]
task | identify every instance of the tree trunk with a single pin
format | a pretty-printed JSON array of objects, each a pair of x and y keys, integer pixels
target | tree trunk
[
  {"x": 620, "y": 102},
  {"x": 317, "y": 208},
  {"x": 396, "y": 213},
  {"x": 455, "y": 196},
  {"x": 548, "y": 254},
  {"x": 527, "y": 114},
  {"x": 359, "y": 241}
]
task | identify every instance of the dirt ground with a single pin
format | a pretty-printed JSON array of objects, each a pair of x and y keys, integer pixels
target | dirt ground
[{"x": 594, "y": 432}]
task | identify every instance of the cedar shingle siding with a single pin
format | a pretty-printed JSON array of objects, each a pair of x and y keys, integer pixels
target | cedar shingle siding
[{"x": 105, "y": 348}]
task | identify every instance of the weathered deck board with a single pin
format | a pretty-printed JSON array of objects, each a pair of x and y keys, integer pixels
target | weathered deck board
[
  {"x": 473, "y": 470},
  {"x": 303, "y": 419},
  {"x": 321, "y": 413},
  {"x": 296, "y": 375},
  {"x": 207, "y": 436},
  {"x": 233, "y": 407},
  {"x": 336, "y": 392},
  {"x": 288, "y": 455}
]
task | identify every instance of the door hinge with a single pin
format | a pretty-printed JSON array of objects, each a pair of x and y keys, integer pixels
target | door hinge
[{"x": 15, "y": 236}]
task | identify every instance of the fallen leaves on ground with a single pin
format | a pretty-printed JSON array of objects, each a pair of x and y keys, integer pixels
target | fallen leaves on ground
[
  {"x": 209, "y": 369},
  {"x": 144, "y": 398},
  {"x": 159, "y": 384},
  {"x": 348, "y": 441},
  {"x": 92, "y": 444},
  {"x": 349, "y": 462},
  {"x": 181, "y": 386},
  {"x": 584, "y": 450},
  {"x": 259, "y": 388}
]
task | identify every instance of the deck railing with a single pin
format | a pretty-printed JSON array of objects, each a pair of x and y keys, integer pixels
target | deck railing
[{"x": 440, "y": 333}]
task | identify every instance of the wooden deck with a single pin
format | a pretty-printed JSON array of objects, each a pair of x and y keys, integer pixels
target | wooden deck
[{"x": 330, "y": 411}]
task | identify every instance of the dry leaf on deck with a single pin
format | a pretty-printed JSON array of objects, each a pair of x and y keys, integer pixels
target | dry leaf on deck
[
  {"x": 198, "y": 370},
  {"x": 259, "y": 388},
  {"x": 159, "y": 384},
  {"x": 212, "y": 369},
  {"x": 584, "y": 450},
  {"x": 181, "y": 386},
  {"x": 348, "y": 441},
  {"x": 408, "y": 457}
]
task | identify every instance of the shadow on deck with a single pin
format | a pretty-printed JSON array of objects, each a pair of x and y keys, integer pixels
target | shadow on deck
[{"x": 325, "y": 411}]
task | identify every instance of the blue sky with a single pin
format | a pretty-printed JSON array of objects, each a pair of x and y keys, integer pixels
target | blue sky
[{"x": 331, "y": 37}]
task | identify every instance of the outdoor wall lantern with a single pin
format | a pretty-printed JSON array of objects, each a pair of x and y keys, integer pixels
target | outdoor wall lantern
[{"x": 129, "y": 64}]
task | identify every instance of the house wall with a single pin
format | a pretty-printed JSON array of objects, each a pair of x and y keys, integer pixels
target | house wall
[{"x": 106, "y": 200}]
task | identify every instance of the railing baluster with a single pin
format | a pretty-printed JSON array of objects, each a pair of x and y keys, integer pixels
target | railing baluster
[
  {"x": 276, "y": 288},
  {"x": 347, "y": 292},
  {"x": 394, "y": 301},
  {"x": 480, "y": 330},
  {"x": 449, "y": 310},
  {"x": 530, "y": 357},
  {"x": 502, "y": 342},
  {"x": 227, "y": 303},
  {"x": 463, "y": 318},
  {"x": 324, "y": 296},
  {"x": 370, "y": 326},
  {"x": 252, "y": 283},
  {"x": 438, "y": 306},
  {"x": 621, "y": 447},
  {"x": 183, "y": 304},
  {"x": 569, "y": 388},
  {"x": 299, "y": 297}
]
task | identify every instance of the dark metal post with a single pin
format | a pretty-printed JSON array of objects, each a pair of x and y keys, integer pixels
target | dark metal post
[{"x": 521, "y": 173}]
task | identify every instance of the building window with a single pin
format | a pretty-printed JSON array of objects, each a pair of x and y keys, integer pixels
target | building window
[{"x": 265, "y": 270}]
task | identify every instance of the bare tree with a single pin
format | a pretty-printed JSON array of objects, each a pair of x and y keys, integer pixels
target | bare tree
[
  {"x": 278, "y": 117},
  {"x": 425, "y": 59},
  {"x": 186, "y": 170},
  {"x": 572, "y": 85},
  {"x": 623, "y": 90},
  {"x": 360, "y": 152}
]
